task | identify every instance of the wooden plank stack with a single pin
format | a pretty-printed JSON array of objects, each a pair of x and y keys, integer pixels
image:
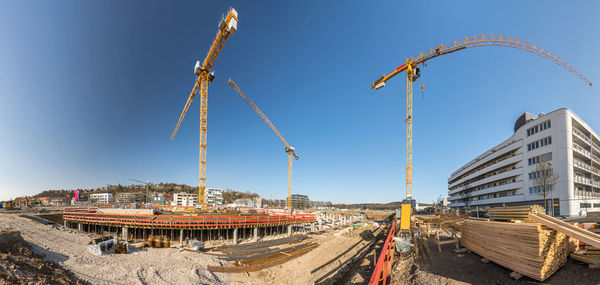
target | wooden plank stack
[
  {"x": 513, "y": 213},
  {"x": 526, "y": 248}
]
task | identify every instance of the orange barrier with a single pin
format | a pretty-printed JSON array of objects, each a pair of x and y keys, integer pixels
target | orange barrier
[
  {"x": 384, "y": 262},
  {"x": 189, "y": 221}
]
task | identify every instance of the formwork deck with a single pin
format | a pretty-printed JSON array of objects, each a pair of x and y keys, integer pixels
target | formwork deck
[{"x": 183, "y": 221}]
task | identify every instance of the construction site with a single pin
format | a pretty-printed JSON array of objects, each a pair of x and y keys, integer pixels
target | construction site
[{"x": 194, "y": 237}]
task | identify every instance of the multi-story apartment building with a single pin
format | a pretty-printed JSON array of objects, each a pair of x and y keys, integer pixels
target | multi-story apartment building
[
  {"x": 505, "y": 174},
  {"x": 184, "y": 199},
  {"x": 130, "y": 197},
  {"x": 101, "y": 198},
  {"x": 300, "y": 201},
  {"x": 214, "y": 197}
]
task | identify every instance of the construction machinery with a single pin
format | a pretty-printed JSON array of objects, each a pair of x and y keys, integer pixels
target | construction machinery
[
  {"x": 227, "y": 27},
  {"x": 289, "y": 149},
  {"x": 413, "y": 72}
]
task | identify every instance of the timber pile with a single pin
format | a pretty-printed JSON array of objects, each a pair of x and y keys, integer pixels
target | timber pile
[
  {"x": 260, "y": 255},
  {"x": 514, "y": 212},
  {"x": 526, "y": 248}
]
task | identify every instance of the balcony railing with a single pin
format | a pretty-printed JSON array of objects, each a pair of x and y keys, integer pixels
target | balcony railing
[
  {"x": 581, "y": 135},
  {"x": 596, "y": 183},
  {"x": 582, "y": 179},
  {"x": 596, "y": 171},
  {"x": 595, "y": 158},
  {"x": 583, "y": 165},
  {"x": 595, "y": 146},
  {"x": 581, "y": 150}
]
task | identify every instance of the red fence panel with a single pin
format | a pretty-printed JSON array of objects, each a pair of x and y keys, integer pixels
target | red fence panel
[{"x": 380, "y": 272}]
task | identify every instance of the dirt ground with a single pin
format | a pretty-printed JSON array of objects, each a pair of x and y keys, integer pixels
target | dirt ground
[
  {"x": 450, "y": 268},
  {"x": 324, "y": 265},
  {"x": 19, "y": 265},
  {"x": 68, "y": 248}
]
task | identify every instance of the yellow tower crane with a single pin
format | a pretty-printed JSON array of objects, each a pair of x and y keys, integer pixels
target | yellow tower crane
[
  {"x": 227, "y": 27},
  {"x": 289, "y": 149},
  {"x": 413, "y": 73}
]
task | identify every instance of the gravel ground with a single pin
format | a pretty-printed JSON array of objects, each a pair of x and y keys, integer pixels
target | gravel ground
[
  {"x": 68, "y": 248},
  {"x": 319, "y": 266}
]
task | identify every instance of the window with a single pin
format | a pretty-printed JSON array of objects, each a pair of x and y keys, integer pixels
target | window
[
  {"x": 548, "y": 124},
  {"x": 596, "y": 205},
  {"x": 537, "y": 144},
  {"x": 585, "y": 205},
  {"x": 528, "y": 132},
  {"x": 549, "y": 140},
  {"x": 536, "y": 129},
  {"x": 528, "y": 147}
]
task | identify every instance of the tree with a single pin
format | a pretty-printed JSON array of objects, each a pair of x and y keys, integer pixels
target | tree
[
  {"x": 545, "y": 178},
  {"x": 466, "y": 194}
]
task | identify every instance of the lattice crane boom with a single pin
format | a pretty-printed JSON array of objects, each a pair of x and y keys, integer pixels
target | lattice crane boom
[
  {"x": 413, "y": 73},
  {"x": 289, "y": 149},
  {"x": 227, "y": 27}
]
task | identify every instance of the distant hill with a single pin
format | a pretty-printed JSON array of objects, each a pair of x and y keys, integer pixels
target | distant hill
[{"x": 229, "y": 195}]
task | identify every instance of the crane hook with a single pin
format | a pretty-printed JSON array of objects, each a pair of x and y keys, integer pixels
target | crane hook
[{"x": 422, "y": 91}]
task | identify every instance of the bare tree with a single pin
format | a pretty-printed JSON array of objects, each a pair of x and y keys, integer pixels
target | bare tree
[
  {"x": 545, "y": 178},
  {"x": 466, "y": 194}
]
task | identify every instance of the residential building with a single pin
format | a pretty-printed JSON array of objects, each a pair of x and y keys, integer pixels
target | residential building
[
  {"x": 505, "y": 174},
  {"x": 130, "y": 197},
  {"x": 101, "y": 198},
  {"x": 244, "y": 202},
  {"x": 300, "y": 201},
  {"x": 184, "y": 199},
  {"x": 214, "y": 197},
  {"x": 320, "y": 204},
  {"x": 158, "y": 198}
]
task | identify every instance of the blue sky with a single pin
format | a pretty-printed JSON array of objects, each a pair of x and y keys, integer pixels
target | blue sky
[{"x": 90, "y": 91}]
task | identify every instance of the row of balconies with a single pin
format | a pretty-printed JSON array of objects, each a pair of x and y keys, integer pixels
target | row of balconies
[
  {"x": 500, "y": 164},
  {"x": 586, "y": 181},
  {"x": 581, "y": 150},
  {"x": 585, "y": 138},
  {"x": 583, "y": 165}
]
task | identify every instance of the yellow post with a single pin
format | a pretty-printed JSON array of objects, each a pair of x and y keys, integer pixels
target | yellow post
[{"x": 405, "y": 217}]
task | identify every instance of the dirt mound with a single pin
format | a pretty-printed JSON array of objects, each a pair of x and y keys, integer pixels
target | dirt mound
[{"x": 19, "y": 265}]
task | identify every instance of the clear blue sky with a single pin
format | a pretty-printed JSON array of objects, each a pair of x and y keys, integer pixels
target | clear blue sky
[{"x": 90, "y": 91}]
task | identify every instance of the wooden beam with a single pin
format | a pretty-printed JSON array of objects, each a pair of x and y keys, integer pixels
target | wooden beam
[{"x": 567, "y": 229}]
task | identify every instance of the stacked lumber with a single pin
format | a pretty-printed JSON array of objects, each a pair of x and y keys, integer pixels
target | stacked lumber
[
  {"x": 513, "y": 212},
  {"x": 526, "y": 248}
]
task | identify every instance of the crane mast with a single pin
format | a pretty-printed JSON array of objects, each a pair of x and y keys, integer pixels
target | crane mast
[
  {"x": 227, "y": 27},
  {"x": 289, "y": 149},
  {"x": 413, "y": 73}
]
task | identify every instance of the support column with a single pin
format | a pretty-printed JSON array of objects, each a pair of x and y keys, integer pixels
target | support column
[
  {"x": 235, "y": 236},
  {"x": 181, "y": 238},
  {"x": 255, "y": 234},
  {"x": 125, "y": 233},
  {"x": 289, "y": 233},
  {"x": 79, "y": 227},
  {"x": 65, "y": 222}
]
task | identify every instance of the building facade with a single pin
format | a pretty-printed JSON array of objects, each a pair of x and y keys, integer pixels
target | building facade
[
  {"x": 505, "y": 174},
  {"x": 130, "y": 197},
  {"x": 214, "y": 197},
  {"x": 101, "y": 198},
  {"x": 184, "y": 199},
  {"x": 300, "y": 201}
]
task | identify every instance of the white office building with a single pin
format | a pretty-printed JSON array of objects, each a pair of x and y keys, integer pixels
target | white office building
[
  {"x": 505, "y": 174},
  {"x": 101, "y": 198},
  {"x": 184, "y": 199},
  {"x": 214, "y": 197}
]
